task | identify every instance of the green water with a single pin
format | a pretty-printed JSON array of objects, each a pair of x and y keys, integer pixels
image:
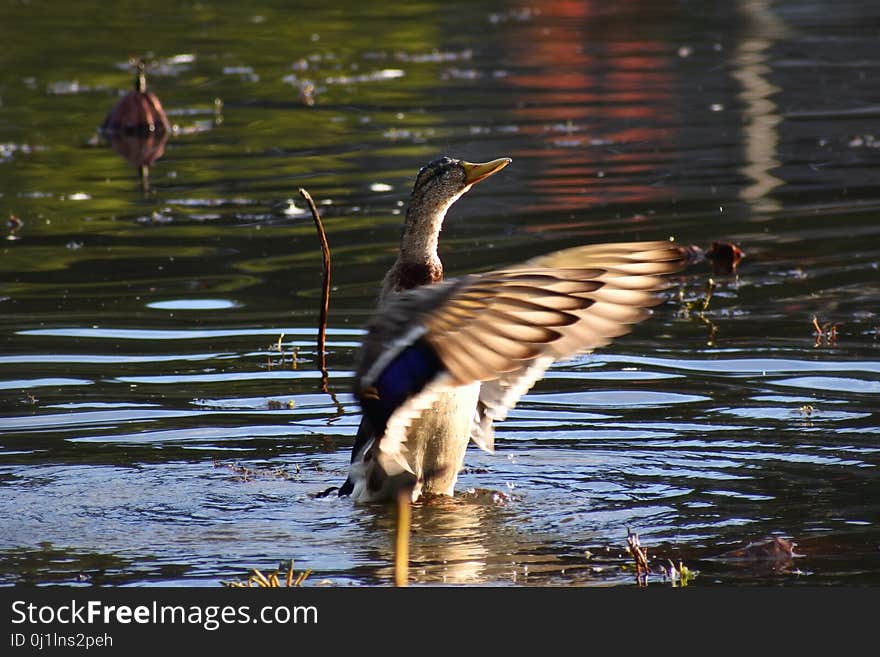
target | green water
[{"x": 151, "y": 432}]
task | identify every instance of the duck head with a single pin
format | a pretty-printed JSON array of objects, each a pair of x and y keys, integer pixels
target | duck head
[{"x": 438, "y": 185}]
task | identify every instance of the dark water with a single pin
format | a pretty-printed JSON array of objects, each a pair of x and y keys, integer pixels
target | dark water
[{"x": 151, "y": 432}]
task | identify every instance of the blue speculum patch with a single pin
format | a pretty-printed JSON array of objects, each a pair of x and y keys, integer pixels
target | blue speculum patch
[{"x": 406, "y": 375}]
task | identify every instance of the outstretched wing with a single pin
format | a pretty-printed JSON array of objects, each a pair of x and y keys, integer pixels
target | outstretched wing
[{"x": 503, "y": 328}]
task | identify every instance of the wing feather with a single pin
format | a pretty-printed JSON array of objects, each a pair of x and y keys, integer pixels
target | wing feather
[{"x": 506, "y": 327}]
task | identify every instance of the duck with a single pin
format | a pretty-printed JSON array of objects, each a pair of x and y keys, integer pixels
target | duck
[{"x": 443, "y": 359}]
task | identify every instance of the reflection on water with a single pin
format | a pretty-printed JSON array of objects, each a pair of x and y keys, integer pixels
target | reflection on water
[
  {"x": 590, "y": 106},
  {"x": 162, "y": 418},
  {"x": 761, "y": 115},
  {"x": 450, "y": 540}
]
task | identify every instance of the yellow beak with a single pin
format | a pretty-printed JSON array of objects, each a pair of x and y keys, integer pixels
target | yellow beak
[{"x": 474, "y": 173}]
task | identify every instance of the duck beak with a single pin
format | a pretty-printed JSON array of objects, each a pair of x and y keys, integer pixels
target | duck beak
[{"x": 474, "y": 173}]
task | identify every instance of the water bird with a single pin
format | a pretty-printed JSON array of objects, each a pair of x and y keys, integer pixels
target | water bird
[
  {"x": 137, "y": 127},
  {"x": 444, "y": 359},
  {"x": 138, "y": 112}
]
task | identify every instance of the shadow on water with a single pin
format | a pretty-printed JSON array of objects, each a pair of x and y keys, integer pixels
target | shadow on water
[{"x": 162, "y": 419}]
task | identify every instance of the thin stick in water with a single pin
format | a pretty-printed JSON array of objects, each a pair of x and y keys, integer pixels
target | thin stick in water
[{"x": 325, "y": 292}]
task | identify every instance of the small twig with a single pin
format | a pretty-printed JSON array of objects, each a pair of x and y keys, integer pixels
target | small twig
[
  {"x": 698, "y": 308},
  {"x": 260, "y": 578},
  {"x": 401, "y": 551},
  {"x": 640, "y": 555},
  {"x": 302, "y": 577},
  {"x": 273, "y": 579},
  {"x": 825, "y": 334},
  {"x": 325, "y": 291},
  {"x": 710, "y": 288}
]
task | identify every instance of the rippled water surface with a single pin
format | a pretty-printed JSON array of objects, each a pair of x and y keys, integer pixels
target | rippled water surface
[{"x": 163, "y": 418}]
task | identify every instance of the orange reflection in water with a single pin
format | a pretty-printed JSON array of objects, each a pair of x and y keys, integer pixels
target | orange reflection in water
[{"x": 599, "y": 104}]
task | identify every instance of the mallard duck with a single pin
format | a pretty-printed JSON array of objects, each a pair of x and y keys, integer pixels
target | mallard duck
[{"x": 443, "y": 360}]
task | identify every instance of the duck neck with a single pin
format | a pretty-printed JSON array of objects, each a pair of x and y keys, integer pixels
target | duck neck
[
  {"x": 418, "y": 262},
  {"x": 140, "y": 78},
  {"x": 421, "y": 232}
]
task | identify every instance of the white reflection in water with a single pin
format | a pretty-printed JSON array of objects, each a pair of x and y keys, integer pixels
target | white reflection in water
[
  {"x": 761, "y": 114},
  {"x": 194, "y": 304}
]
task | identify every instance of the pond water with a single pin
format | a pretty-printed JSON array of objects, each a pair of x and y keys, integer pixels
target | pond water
[{"x": 163, "y": 418}]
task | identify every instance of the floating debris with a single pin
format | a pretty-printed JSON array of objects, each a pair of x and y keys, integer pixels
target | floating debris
[
  {"x": 294, "y": 361},
  {"x": 864, "y": 141},
  {"x": 276, "y": 405},
  {"x": 826, "y": 334},
  {"x": 776, "y": 549},
  {"x": 244, "y": 72},
  {"x": 291, "y": 209},
  {"x": 14, "y": 224},
  {"x": 246, "y": 474},
  {"x": 8, "y": 150},
  {"x": 772, "y": 557},
  {"x": 724, "y": 256},
  {"x": 374, "y": 76},
  {"x": 696, "y": 309},
  {"x": 307, "y": 89}
]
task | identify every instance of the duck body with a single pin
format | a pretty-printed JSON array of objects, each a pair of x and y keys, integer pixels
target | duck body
[
  {"x": 444, "y": 359},
  {"x": 436, "y": 444}
]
